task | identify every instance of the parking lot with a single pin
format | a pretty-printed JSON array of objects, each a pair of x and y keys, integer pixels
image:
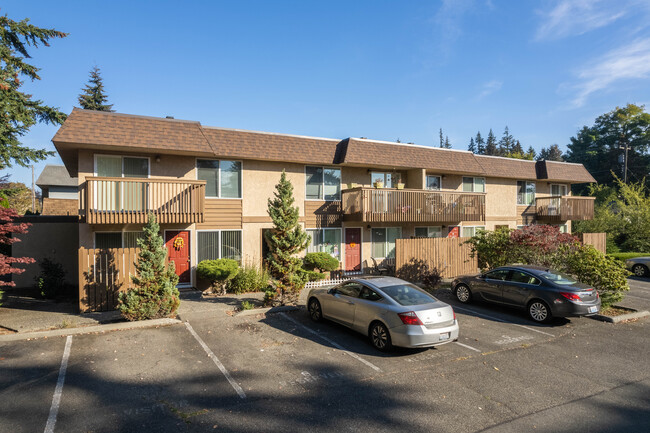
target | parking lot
[{"x": 282, "y": 372}]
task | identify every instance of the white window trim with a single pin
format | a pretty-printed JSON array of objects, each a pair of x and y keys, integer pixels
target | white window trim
[
  {"x": 323, "y": 167},
  {"x": 526, "y": 189},
  {"x": 196, "y": 242},
  {"x": 426, "y": 181},
  {"x": 241, "y": 177},
  {"x": 474, "y": 227},
  {"x": 341, "y": 245},
  {"x": 121, "y": 156},
  {"x": 474, "y": 184},
  {"x": 385, "y": 242}
]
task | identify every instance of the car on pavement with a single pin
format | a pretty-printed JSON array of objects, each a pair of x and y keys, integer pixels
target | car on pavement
[
  {"x": 390, "y": 311},
  {"x": 639, "y": 265},
  {"x": 544, "y": 293}
]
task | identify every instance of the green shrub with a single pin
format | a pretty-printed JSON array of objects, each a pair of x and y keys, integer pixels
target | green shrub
[
  {"x": 622, "y": 257},
  {"x": 307, "y": 275},
  {"x": 249, "y": 279},
  {"x": 592, "y": 267},
  {"x": 492, "y": 249},
  {"x": 324, "y": 262},
  {"x": 245, "y": 305},
  {"x": 51, "y": 280},
  {"x": 218, "y": 273},
  {"x": 419, "y": 271}
]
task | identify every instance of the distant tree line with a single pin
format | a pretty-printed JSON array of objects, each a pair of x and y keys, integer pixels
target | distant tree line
[{"x": 510, "y": 147}]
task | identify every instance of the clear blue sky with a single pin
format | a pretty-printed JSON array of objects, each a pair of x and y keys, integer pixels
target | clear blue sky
[{"x": 378, "y": 69}]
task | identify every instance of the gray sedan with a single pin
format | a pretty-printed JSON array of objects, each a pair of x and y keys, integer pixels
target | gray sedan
[
  {"x": 390, "y": 311},
  {"x": 639, "y": 265}
]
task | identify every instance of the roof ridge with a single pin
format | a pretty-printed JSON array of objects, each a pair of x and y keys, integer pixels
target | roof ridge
[
  {"x": 419, "y": 146},
  {"x": 137, "y": 116},
  {"x": 272, "y": 133}
]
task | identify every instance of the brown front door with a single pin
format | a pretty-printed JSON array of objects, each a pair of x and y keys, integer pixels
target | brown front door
[
  {"x": 178, "y": 250},
  {"x": 352, "y": 249}
]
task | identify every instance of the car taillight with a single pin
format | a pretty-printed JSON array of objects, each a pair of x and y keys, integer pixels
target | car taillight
[
  {"x": 409, "y": 318},
  {"x": 570, "y": 296},
  {"x": 452, "y": 310}
]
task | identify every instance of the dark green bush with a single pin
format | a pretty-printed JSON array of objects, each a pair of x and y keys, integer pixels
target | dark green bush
[
  {"x": 307, "y": 275},
  {"x": 324, "y": 262},
  {"x": 249, "y": 279},
  {"x": 218, "y": 273},
  {"x": 622, "y": 257},
  {"x": 51, "y": 280}
]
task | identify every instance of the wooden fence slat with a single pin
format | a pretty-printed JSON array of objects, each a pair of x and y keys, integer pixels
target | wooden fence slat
[{"x": 450, "y": 255}]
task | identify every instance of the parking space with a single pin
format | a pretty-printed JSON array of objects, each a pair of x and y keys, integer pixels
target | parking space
[{"x": 283, "y": 372}]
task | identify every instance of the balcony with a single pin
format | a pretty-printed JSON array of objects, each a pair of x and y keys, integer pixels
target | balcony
[
  {"x": 554, "y": 209},
  {"x": 119, "y": 200},
  {"x": 411, "y": 205}
]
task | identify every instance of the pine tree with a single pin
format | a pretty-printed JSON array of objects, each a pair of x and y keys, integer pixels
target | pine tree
[
  {"x": 480, "y": 144},
  {"x": 442, "y": 142},
  {"x": 517, "y": 148},
  {"x": 285, "y": 240},
  {"x": 491, "y": 144},
  {"x": 155, "y": 294},
  {"x": 93, "y": 97},
  {"x": 506, "y": 143},
  {"x": 552, "y": 153},
  {"x": 19, "y": 111},
  {"x": 472, "y": 145},
  {"x": 530, "y": 153},
  {"x": 447, "y": 143}
]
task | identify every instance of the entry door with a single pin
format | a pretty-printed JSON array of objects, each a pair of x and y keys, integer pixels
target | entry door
[
  {"x": 353, "y": 249},
  {"x": 179, "y": 253}
]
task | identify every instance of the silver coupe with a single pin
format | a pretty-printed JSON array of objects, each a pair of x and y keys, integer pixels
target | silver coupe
[
  {"x": 639, "y": 265},
  {"x": 390, "y": 311}
]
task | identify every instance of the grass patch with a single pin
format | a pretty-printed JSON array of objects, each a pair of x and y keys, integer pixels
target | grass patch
[
  {"x": 624, "y": 256},
  {"x": 245, "y": 305}
]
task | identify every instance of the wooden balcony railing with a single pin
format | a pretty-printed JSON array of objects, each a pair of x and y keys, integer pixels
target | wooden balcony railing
[
  {"x": 563, "y": 208},
  {"x": 123, "y": 200},
  {"x": 411, "y": 205}
]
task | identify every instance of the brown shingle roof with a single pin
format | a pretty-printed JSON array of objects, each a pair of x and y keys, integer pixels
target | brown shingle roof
[
  {"x": 386, "y": 154},
  {"x": 567, "y": 172},
  {"x": 496, "y": 166}
]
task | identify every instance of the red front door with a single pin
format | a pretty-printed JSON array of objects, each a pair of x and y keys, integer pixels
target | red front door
[
  {"x": 352, "y": 249},
  {"x": 178, "y": 250}
]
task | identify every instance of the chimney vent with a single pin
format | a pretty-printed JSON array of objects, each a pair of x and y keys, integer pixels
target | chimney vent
[{"x": 169, "y": 117}]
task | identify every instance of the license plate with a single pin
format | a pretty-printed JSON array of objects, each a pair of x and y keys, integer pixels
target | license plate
[
  {"x": 593, "y": 309},
  {"x": 444, "y": 336}
]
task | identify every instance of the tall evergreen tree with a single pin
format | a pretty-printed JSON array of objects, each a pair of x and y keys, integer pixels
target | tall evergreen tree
[
  {"x": 472, "y": 145},
  {"x": 491, "y": 145},
  {"x": 506, "y": 143},
  {"x": 480, "y": 144},
  {"x": 447, "y": 143},
  {"x": 93, "y": 96},
  {"x": 285, "y": 240},
  {"x": 442, "y": 142},
  {"x": 530, "y": 153},
  {"x": 19, "y": 111},
  {"x": 552, "y": 153},
  {"x": 517, "y": 148}
]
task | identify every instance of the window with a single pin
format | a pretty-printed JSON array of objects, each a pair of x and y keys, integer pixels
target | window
[
  {"x": 222, "y": 178},
  {"x": 525, "y": 192},
  {"x": 408, "y": 294},
  {"x": 563, "y": 228},
  {"x": 383, "y": 241},
  {"x": 470, "y": 231},
  {"x": 130, "y": 239},
  {"x": 323, "y": 183},
  {"x": 559, "y": 190},
  {"x": 108, "y": 240},
  {"x": 473, "y": 184},
  {"x": 522, "y": 277},
  {"x": 379, "y": 176},
  {"x": 428, "y": 232},
  {"x": 369, "y": 294},
  {"x": 325, "y": 241},
  {"x": 218, "y": 244},
  {"x": 118, "y": 166},
  {"x": 498, "y": 275},
  {"x": 350, "y": 289},
  {"x": 433, "y": 183}
]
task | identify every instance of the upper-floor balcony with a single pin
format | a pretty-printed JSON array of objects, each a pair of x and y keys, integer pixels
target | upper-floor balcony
[
  {"x": 411, "y": 205},
  {"x": 124, "y": 200},
  {"x": 563, "y": 208}
]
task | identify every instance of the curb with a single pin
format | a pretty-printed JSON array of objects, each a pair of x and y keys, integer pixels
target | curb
[
  {"x": 622, "y": 317},
  {"x": 89, "y": 329},
  {"x": 256, "y": 311}
]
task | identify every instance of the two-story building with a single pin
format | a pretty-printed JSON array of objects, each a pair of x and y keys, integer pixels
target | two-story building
[{"x": 209, "y": 188}]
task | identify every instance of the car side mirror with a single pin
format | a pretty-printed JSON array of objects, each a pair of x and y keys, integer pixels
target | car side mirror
[{"x": 331, "y": 291}]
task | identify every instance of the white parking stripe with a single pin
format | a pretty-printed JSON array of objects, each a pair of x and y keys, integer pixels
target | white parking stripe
[
  {"x": 467, "y": 347},
  {"x": 218, "y": 363},
  {"x": 58, "y": 390},
  {"x": 338, "y": 346},
  {"x": 503, "y": 321}
]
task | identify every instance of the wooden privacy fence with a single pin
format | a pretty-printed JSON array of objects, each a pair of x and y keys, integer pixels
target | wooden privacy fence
[
  {"x": 597, "y": 240},
  {"x": 450, "y": 255},
  {"x": 103, "y": 273}
]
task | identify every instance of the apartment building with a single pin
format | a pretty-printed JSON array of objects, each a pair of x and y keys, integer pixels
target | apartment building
[{"x": 209, "y": 188}]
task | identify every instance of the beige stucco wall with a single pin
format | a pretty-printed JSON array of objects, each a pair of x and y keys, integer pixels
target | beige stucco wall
[{"x": 259, "y": 179}]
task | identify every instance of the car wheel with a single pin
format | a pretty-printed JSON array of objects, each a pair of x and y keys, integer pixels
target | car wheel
[
  {"x": 380, "y": 337},
  {"x": 640, "y": 270},
  {"x": 539, "y": 311},
  {"x": 463, "y": 293},
  {"x": 315, "y": 311}
]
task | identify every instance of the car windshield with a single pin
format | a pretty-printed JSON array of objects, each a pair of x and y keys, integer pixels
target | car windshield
[
  {"x": 561, "y": 279},
  {"x": 407, "y": 294}
]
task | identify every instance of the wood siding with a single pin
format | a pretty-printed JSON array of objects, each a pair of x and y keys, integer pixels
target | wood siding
[
  {"x": 597, "y": 240},
  {"x": 450, "y": 255},
  {"x": 322, "y": 214},
  {"x": 555, "y": 209},
  {"x": 222, "y": 214}
]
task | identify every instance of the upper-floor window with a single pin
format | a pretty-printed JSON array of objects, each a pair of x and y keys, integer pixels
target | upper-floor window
[
  {"x": 525, "y": 192},
  {"x": 322, "y": 183},
  {"x": 433, "y": 183},
  {"x": 558, "y": 190},
  {"x": 222, "y": 178},
  {"x": 473, "y": 184},
  {"x": 384, "y": 177},
  {"x": 121, "y": 166}
]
